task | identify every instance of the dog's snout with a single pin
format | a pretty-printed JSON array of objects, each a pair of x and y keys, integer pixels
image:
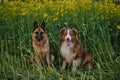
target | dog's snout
[
  {"x": 68, "y": 39},
  {"x": 39, "y": 37},
  {"x": 68, "y": 36}
]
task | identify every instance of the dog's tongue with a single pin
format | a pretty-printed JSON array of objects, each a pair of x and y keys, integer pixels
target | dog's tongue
[{"x": 68, "y": 43}]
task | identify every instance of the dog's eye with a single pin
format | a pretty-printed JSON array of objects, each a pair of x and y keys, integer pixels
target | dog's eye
[
  {"x": 41, "y": 32},
  {"x": 71, "y": 34},
  {"x": 36, "y": 33}
]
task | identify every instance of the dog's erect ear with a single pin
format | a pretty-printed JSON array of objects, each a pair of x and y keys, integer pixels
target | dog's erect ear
[
  {"x": 35, "y": 25},
  {"x": 75, "y": 31},
  {"x": 62, "y": 30},
  {"x": 43, "y": 25}
]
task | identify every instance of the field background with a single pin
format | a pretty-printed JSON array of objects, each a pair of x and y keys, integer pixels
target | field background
[{"x": 98, "y": 25}]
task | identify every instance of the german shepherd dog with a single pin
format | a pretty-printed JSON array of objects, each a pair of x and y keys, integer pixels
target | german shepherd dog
[{"x": 40, "y": 43}]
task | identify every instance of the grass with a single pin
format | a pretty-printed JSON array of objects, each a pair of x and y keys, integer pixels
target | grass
[{"x": 98, "y": 29}]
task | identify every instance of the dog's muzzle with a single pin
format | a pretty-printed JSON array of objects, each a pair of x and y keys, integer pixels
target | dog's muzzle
[{"x": 39, "y": 38}]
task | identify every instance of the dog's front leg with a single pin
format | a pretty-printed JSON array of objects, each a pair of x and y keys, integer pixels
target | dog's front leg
[
  {"x": 48, "y": 60},
  {"x": 37, "y": 62},
  {"x": 64, "y": 64},
  {"x": 76, "y": 64}
]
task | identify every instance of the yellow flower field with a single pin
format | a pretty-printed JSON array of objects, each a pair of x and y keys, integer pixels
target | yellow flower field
[{"x": 97, "y": 23}]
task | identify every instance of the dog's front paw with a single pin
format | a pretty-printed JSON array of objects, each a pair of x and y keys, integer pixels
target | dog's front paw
[
  {"x": 74, "y": 69},
  {"x": 49, "y": 68},
  {"x": 62, "y": 68}
]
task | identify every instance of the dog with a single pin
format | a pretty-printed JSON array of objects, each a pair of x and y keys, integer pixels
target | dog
[
  {"x": 72, "y": 50},
  {"x": 40, "y": 43}
]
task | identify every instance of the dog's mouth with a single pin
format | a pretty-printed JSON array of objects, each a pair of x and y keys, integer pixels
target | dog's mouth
[{"x": 68, "y": 42}]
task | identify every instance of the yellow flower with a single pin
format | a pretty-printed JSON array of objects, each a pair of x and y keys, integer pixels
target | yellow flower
[
  {"x": 84, "y": 25},
  {"x": 55, "y": 19},
  {"x": 74, "y": 15},
  {"x": 23, "y": 13},
  {"x": 65, "y": 12},
  {"x": 60, "y": 79},
  {"x": 46, "y": 20},
  {"x": 110, "y": 29},
  {"x": 45, "y": 15},
  {"x": 5, "y": 0},
  {"x": 118, "y": 26},
  {"x": 14, "y": 8}
]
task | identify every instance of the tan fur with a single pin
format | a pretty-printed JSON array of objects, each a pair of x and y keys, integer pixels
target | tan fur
[
  {"x": 41, "y": 48},
  {"x": 75, "y": 53}
]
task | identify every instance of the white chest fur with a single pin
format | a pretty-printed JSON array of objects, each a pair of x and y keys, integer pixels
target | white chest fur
[{"x": 66, "y": 51}]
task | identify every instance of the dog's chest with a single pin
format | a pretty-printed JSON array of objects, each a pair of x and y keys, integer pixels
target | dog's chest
[
  {"x": 41, "y": 49},
  {"x": 66, "y": 51}
]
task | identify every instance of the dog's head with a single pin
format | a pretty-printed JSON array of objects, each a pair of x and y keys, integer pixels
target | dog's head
[
  {"x": 39, "y": 31},
  {"x": 68, "y": 35}
]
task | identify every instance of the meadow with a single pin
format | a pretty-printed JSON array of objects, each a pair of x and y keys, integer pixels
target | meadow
[{"x": 98, "y": 25}]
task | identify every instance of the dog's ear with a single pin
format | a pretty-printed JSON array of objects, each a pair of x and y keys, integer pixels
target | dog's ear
[
  {"x": 62, "y": 30},
  {"x": 35, "y": 25},
  {"x": 43, "y": 25},
  {"x": 75, "y": 31}
]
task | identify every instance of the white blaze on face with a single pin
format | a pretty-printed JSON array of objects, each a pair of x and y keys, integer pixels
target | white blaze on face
[{"x": 68, "y": 37}]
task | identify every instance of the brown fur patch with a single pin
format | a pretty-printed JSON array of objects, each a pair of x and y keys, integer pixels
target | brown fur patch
[
  {"x": 40, "y": 43},
  {"x": 76, "y": 52}
]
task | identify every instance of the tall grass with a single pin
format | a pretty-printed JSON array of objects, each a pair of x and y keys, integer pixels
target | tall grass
[{"x": 98, "y": 29}]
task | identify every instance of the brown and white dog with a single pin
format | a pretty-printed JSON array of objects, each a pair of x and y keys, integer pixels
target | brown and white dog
[
  {"x": 41, "y": 45},
  {"x": 72, "y": 50}
]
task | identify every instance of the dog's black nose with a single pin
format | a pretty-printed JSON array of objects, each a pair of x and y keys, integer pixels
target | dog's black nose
[
  {"x": 39, "y": 39},
  {"x": 68, "y": 39}
]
